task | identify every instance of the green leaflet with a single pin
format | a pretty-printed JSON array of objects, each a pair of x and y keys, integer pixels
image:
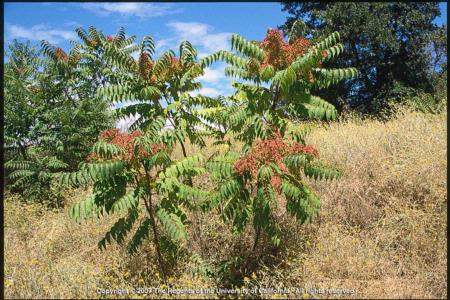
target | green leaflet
[
  {"x": 200, "y": 266},
  {"x": 329, "y": 41},
  {"x": 297, "y": 30},
  {"x": 106, "y": 150},
  {"x": 225, "y": 56},
  {"x": 148, "y": 46},
  {"x": 237, "y": 73},
  {"x": 187, "y": 52},
  {"x": 314, "y": 107},
  {"x": 119, "y": 230},
  {"x": 128, "y": 201},
  {"x": 297, "y": 133},
  {"x": 245, "y": 47},
  {"x": 190, "y": 193},
  {"x": 220, "y": 169},
  {"x": 267, "y": 73},
  {"x": 285, "y": 78},
  {"x": 116, "y": 93},
  {"x": 163, "y": 63},
  {"x": 172, "y": 224},
  {"x": 334, "y": 51},
  {"x": 120, "y": 59},
  {"x": 181, "y": 167},
  {"x": 318, "y": 171},
  {"x": 91, "y": 172},
  {"x": 265, "y": 173},
  {"x": 85, "y": 209},
  {"x": 150, "y": 93},
  {"x": 295, "y": 161},
  {"x": 139, "y": 236},
  {"x": 21, "y": 173},
  {"x": 326, "y": 77},
  {"x": 18, "y": 164},
  {"x": 301, "y": 201}
]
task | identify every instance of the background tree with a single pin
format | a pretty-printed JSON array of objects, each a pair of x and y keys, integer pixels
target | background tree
[
  {"x": 438, "y": 68},
  {"x": 134, "y": 173},
  {"x": 387, "y": 42},
  {"x": 52, "y": 116},
  {"x": 20, "y": 115}
]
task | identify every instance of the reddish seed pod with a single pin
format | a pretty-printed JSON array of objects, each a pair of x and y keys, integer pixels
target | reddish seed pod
[
  {"x": 126, "y": 141},
  {"x": 60, "y": 54},
  {"x": 279, "y": 53},
  {"x": 275, "y": 181},
  {"x": 271, "y": 150}
]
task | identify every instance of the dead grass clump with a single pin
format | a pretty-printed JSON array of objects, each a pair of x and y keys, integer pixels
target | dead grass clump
[
  {"x": 384, "y": 222},
  {"x": 381, "y": 231}
]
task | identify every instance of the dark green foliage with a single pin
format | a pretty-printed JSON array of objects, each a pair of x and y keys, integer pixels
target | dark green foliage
[
  {"x": 119, "y": 230},
  {"x": 256, "y": 114},
  {"x": 116, "y": 168},
  {"x": 386, "y": 42},
  {"x": 134, "y": 176},
  {"x": 33, "y": 177},
  {"x": 51, "y": 114}
]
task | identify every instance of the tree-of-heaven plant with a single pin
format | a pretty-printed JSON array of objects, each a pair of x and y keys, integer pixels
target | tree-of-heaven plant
[
  {"x": 133, "y": 173},
  {"x": 279, "y": 78}
]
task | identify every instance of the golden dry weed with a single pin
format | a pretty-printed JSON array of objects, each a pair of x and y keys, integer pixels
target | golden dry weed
[{"x": 381, "y": 231}]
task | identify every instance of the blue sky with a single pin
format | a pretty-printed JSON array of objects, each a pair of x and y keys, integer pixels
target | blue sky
[{"x": 207, "y": 25}]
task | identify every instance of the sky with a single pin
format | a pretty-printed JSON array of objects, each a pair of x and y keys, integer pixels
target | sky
[{"x": 208, "y": 26}]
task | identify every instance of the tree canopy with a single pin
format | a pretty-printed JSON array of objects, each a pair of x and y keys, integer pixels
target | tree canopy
[
  {"x": 389, "y": 43},
  {"x": 52, "y": 116}
]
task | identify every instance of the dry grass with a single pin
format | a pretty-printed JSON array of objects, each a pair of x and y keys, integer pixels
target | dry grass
[{"x": 381, "y": 232}]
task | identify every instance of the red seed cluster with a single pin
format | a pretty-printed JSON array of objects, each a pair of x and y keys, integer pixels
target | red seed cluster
[
  {"x": 272, "y": 149},
  {"x": 262, "y": 152},
  {"x": 175, "y": 63},
  {"x": 253, "y": 66},
  {"x": 92, "y": 43},
  {"x": 175, "y": 67},
  {"x": 33, "y": 89},
  {"x": 126, "y": 141},
  {"x": 146, "y": 67},
  {"x": 305, "y": 149},
  {"x": 110, "y": 39},
  {"x": 275, "y": 181},
  {"x": 280, "y": 54},
  {"x": 60, "y": 54}
]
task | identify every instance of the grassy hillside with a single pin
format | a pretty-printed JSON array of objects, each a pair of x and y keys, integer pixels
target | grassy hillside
[{"x": 381, "y": 231}]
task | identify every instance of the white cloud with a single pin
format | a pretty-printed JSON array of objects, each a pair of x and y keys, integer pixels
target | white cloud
[
  {"x": 40, "y": 32},
  {"x": 125, "y": 123},
  {"x": 72, "y": 24},
  {"x": 202, "y": 55},
  {"x": 164, "y": 42},
  {"x": 135, "y": 55},
  {"x": 139, "y": 9},
  {"x": 206, "y": 91},
  {"x": 201, "y": 35},
  {"x": 216, "y": 42},
  {"x": 213, "y": 75},
  {"x": 188, "y": 30}
]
